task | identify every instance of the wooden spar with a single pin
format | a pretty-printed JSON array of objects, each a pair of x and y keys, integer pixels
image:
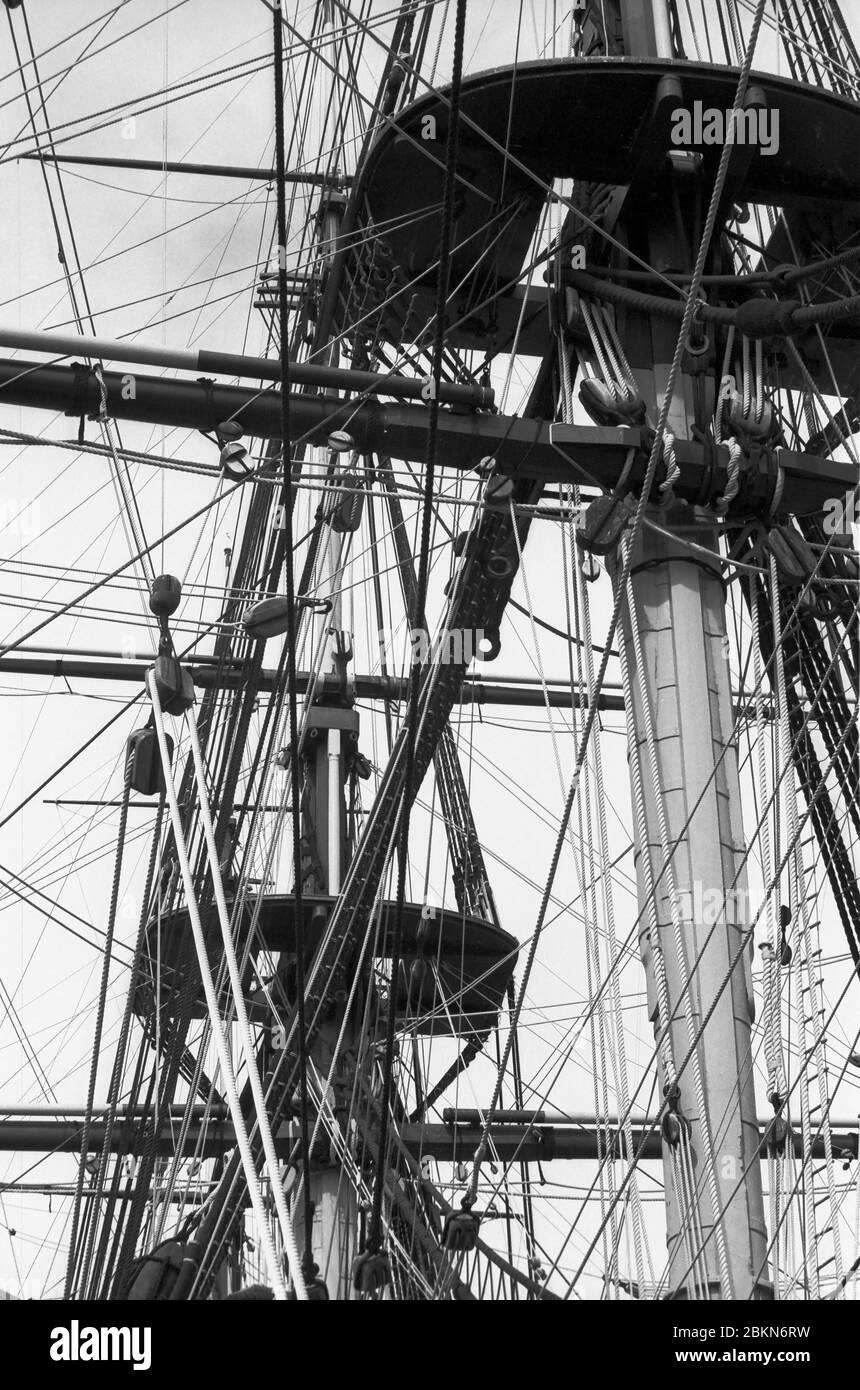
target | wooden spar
[
  {"x": 501, "y": 690},
  {"x": 584, "y": 455},
  {"x": 172, "y": 166},
  {"x": 583, "y": 1141},
  {"x": 235, "y": 364}
]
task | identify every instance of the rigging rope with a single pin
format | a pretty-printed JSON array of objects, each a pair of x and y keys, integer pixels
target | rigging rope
[
  {"x": 609, "y": 914},
  {"x": 806, "y": 995},
  {"x": 245, "y": 1034},
  {"x": 769, "y": 887},
  {"x": 219, "y": 1036},
  {"x": 119, "y": 1060}
]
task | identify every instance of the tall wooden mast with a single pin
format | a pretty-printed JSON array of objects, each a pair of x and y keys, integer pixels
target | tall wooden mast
[{"x": 686, "y": 797}]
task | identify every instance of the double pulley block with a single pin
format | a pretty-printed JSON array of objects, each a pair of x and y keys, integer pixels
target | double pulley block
[{"x": 174, "y": 686}]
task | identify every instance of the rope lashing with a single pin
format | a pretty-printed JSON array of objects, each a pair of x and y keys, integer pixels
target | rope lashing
[
  {"x": 777, "y": 493},
  {"x": 733, "y": 481},
  {"x": 673, "y": 470},
  {"x": 102, "y": 416}
]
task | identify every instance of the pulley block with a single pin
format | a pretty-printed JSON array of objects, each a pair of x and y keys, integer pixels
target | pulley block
[
  {"x": 155, "y": 1274},
  {"x": 498, "y": 490},
  {"x": 743, "y": 422},
  {"x": 778, "y": 1132},
  {"x": 231, "y": 461},
  {"x": 268, "y": 618},
  {"x": 465, "y": 543},
  {"x": 794, "y": 557},
  {"x": 460, "y": 1231},
  {"x": 346, "y": 516},
  {"x": 164, "y": 596},
  {"x": 674, "y": 1128},
  {"x": 418, "y": 971},
  {"x": 607, "y": 407},
  {"x": 145, "y": 773},
  {"x": 371, "y": 1272},
  {"x": 174, "y": 685},
  {"x": 589, "y": 567},
  {"x": 602, "y": 523},
  {"x": 785, "y": 952}
]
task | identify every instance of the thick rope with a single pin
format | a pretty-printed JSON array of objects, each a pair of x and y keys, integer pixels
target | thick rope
[
  {"x": 219, "y": 1037},
  {"x": 242, "y": 1020}
]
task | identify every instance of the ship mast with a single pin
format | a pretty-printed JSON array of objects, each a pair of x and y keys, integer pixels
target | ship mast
[{"x": 689, "y": 832}]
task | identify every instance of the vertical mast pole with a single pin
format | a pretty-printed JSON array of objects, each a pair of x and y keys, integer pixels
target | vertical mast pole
[
  {"x": 334, "y": 1207},
  {"x": 333, "y": 1202},
  {"x": 682, "y": 717}
]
